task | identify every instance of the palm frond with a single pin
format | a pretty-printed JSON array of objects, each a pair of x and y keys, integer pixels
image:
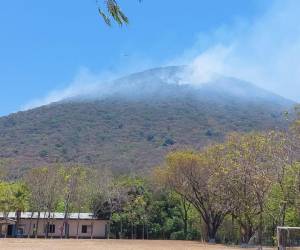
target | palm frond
[
  {"x": 116, "y": 13},
  {"x": 105, "y": 17}
]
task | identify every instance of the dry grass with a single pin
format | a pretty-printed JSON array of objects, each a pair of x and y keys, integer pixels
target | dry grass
[{"x": 28, "y": 244}]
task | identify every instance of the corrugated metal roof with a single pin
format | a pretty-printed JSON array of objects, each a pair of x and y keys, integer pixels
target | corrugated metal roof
[
  {"x": 27, "y": 215},
  {"x": 7, "y": 221}
]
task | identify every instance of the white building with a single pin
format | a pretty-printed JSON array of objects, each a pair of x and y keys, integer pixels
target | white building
[{"x": 53, "y": 225}]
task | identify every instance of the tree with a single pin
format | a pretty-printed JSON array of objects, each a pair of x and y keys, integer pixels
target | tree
[
  {"x": 20, "y": 197},
  {"x": 44, "y": 184},
  {"x": 6, "y": 199},
  {"x": 53, "y": 185},
  {"x": 105, "y": 196},
  {"x": 284, "y": 158},
  {"x": 282, "y": 198},
  {"x": 184, "y": 207},
  {"x": 35, "y": 180},
  {"x": 249, "y": 175},
  {"x": 136, "y": 206},
  {"x": 80, "y": 199},
  {"x": 73, "y": 179},
  {"x": 191, "y": 175},
  {"x": 13, "y": 197}
]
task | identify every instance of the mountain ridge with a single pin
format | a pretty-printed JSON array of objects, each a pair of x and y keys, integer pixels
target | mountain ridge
[{"x": 133, "y": 128}]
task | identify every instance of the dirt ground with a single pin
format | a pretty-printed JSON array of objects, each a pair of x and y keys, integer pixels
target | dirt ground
[{"x": 58, "y": 244}]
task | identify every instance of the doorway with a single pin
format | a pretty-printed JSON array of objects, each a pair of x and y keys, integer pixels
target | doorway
[{"x": 10, "y": 230}]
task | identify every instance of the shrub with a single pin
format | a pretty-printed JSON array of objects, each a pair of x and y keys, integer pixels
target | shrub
[{"x": 177, "y": 235}]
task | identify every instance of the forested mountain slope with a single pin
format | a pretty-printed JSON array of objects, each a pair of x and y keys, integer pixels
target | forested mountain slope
[{"x": 136, "y": 120}]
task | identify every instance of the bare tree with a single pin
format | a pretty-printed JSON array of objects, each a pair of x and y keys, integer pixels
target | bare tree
[
  {"x": 248, "y": 176},
  {"x": 106, "y": 196},
  {"x": 53, "y": 185},
  {"x": 73, "y": 178},
  {"x": 35, "y": 180}
]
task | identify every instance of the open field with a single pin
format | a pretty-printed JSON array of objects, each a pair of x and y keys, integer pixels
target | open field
[{"x": 57, "y": 244}]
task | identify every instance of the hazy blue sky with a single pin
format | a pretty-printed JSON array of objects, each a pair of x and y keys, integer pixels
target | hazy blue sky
[{"x": 44, "y": 44}]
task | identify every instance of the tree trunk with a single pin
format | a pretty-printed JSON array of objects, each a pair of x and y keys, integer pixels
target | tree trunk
[
  {"x": 18, "y": 216},
  {"x": 185, "y": 229},
  {"x": 44, "y": 224},
  {"x": 61, "y": 228},
  {"x": 108, "y": 229},
  {"x": 212, "y": 229},
  {"x": 66, "y": 224},
  {"x": 232, "y": 229},
  {"x": 0, "y": 230},
  {"x": 121, "y": 235},
  {"x": 28, "y": 235},
  {"x": 47, "y": 226},
  {"x": 5, "y": 236},
  {"x": 92, "y": 228},
  {"x": 260, "y": 230},
  {"x": 185, "y": 217},
  {"x": 37, "y": 225},
  {"x": 66, "y": 228},
  {"x": 274, "y": 230},
  {"x": 53, "y": 217},
  {"x": 247, "y": 234},
  {"x": 77, "y": 230},
  {"x": 212, "y": 221},
  {"x": 147, "y": 232},
  {"x": 5, "y": 214},
  {"x": 283, "y": 215}
]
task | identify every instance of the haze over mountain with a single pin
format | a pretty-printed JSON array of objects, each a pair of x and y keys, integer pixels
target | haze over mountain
[{"x": 129, "y": 124}]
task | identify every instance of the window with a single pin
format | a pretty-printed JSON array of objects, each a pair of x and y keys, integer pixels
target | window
[
  {"x": 51, "y": 228},
  {"x": 84, "y": 229}
]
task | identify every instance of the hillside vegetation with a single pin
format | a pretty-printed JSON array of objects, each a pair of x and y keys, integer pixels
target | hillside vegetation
[{"x": 136, "y": 124}]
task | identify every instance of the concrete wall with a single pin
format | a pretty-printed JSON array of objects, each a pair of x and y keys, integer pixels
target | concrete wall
[{"x": 96, "y": 228}]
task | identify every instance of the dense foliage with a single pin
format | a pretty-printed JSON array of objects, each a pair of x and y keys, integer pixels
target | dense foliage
[{"x": 236, "y": 191}]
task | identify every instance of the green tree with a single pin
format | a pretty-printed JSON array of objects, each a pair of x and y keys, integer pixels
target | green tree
[
  {"x": 14, "y": 196},
  {"x": 184, "y": 207},
  {"x": 20, "y": 200}
]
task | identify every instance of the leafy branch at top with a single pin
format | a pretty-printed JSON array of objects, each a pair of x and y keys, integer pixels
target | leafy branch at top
[{"x": 112, "y": 11}]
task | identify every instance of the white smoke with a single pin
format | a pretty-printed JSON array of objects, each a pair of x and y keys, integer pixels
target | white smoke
[
  {"x": 265, "y": 52},
  {"x": 84, "y": 83}
]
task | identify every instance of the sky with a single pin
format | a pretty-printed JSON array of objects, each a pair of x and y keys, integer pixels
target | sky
[{"x": 48, "y": 46}]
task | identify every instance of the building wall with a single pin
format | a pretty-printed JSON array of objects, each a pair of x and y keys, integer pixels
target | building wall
[{"x": 95, "y": 228}]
